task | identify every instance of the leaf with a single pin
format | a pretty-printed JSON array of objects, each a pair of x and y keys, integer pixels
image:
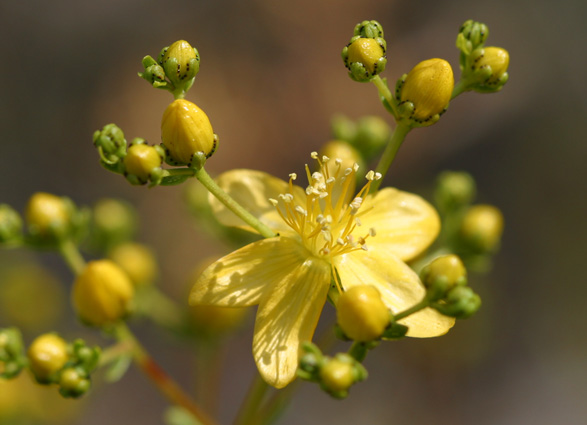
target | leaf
[
  {"x": 118, "y": 368},
  {"x": 173, "y": 180}
]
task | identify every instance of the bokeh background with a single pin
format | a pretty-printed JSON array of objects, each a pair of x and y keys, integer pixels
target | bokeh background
[{"x": 271, "y": 78}]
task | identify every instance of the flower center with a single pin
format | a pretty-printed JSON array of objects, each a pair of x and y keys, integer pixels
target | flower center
[{"x": 328, "y": 221}]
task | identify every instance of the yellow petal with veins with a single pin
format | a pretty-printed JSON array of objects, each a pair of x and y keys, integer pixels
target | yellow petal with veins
[
  {"x": 286, "y": 317},
  {"x": 405, "y": 224},
  {"x": 252, "y": 189},
  {"x": 398, "y": 284},
  {"x": 245, "y": 276}
]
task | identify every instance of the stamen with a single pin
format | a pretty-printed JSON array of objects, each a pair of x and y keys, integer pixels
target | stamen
[
  {"x": 301, "y": 210},
  {"x": 358, "y": 221},
  {"x": 293, "y": 176},
  {"x": 314, "y": 155},
  {"x": 274, "y": 202},
  {"x": 372, "y": 232}
]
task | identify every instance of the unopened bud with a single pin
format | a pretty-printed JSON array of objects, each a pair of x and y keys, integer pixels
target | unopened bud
[
  {"x": 111, "y": 144},
  {"x": 364, "y": 58},
  {"x": 181, "y": 63},
  {"x": 185, "y": 131},
  {"x": 337, "y": 376},
  {"x": 490, "y": 66},
  {"x": 443, "y": 274},
  {"x": 454, "y": 190},
  {"x": 47, "y": 355},
  {"x": 361, "y": 313},
  {"x": 48, "y": 215},
  {"x": 142, "y": 163},
  {"x": 73, "y": 383},
  {"x": 428, "y": 87},
  {"x": 461, "y": 303},
  {"x": 102, "y": 293},
  {"x": 10, "y": 224},
  {"x": 137, "y": 261},
  {"x": 337, "y": 149},
  {"x": 482, "y": 227},
  {"x": 114, "y": 221}
]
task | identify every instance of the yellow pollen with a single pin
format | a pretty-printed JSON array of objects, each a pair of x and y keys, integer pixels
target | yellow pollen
[{"x": 330, "y": 215}]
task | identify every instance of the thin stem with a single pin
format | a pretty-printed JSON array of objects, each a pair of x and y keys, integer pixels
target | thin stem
[
  {"x": 420, "y": 306},
  {"x": 250, "y": 407},
  {"x": 383, "y": 89},
  {"x": 232, "y": 205},
  {"x": 388, "y": 156},
  {"x": 180, "y": 172},
  {"x": 159, "y": 377},
  {"x": 70, "y": 253},
  {"x": 459, "y": 88},
  {"x": 113, "y": 352}
]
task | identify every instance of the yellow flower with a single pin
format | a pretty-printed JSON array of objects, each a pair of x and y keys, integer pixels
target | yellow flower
[{"x": 324, "y": 233}]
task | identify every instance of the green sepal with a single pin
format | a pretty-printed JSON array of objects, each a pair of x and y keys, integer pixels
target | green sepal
[
  {"x": 395, "y": 331},
  {"x": 118, "y": 368},
  {"x": 12, "y": 355},
  {"x": 173, "y": 180}
]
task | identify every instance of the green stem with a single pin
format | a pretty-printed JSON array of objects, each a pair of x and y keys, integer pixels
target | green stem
[
  {"x": 70, "y": 253},
  {"x": 113, "y": 352},
  {"x": 420, "y": 306},
  {"x": 398, "y": 137},
  {"x": 247, "y": 414},
  {"x": 232, "y": 205},
  {"x": 180, "y": 172},
  {"x": 460, "y": 87},
  {"x": 383, "y": 89}
]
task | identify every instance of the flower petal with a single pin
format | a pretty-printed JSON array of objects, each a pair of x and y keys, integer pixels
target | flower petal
[
  {"x": 398, "y": 284},
  {"x": 405, "y": 223},
  {"x": 286, "y": 317},
  {"x": 243, "y": 277},
  {"x": 252, "y": 189}
]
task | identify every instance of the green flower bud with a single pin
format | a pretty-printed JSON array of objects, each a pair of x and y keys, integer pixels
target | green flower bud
[
  {"x": 482, "y": 227},
  {"x": 10, "y": 224},
  {"x": 337, "y": 376},
  {"x": 369, "y": 29},
  {"x": 454, "y": 190},
  {"x": 443, "y": 274},
  {"x": 137, "y": 261},
  {"x": 361, "y": 313},
  {"x": 181, "y": 63},
  {"x": 48, "y": 216},
  {"x": 102, "y": 293},
  {"x": 154, "y": 73},
  {"x": 111, "y": 144},
  {"x": 427, "y": 89},
  {"x": 73, "y": 383},
  {"x": 472, "y": 35},
  {"x": 364, "y": 58},
  {"x": 343, "y": 128},
  {"x": 185, "y": 131},
  {"x": 372, "y": 135},
  {"x": 461, "y": 303},
  {"x": 114, "y": 221},
  {"x": 47, "y": 355},
  {"x": 12, "y": 359},
  {"x": 143, "y": 163}
]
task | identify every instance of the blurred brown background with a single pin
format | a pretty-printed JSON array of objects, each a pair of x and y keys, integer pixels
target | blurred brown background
[{"x": 271, "y": 77}]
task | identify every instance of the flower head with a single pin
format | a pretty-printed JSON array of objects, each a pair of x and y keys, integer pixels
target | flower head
[{"x": 326, "y": 233}]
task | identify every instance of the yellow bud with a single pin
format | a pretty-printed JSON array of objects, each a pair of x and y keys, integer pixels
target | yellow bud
[
  {"x": 429, "y": 87},
  {"x": 366, "y": 51},
  {"x": 449, "y": 268},
  {"x": 497, "y": 58},
  {"x": 482, "y": 227},
  {"x": 102, "y": 293},
  {"x": 47, "y": 355},
  {"x": 337, "y": 375},
  {"x": 361, "y": 313},
  {"x": 47, "y": 213},
  {"x": 137, "y": 261},
  {"x": 185, "y": 54},
  {"x": 141, "y": 160},
  {"x": 337, "y": 149},
  {"x": 185, "y": 130}
]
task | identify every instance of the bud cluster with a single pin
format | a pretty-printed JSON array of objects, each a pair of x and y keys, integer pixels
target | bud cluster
[
  {"x": 335, "y": 375},
  {"x": 367, "y": 136},
  {"x": 364, "y": 56},
  {"x": 483, "y": 69},
  {"x": 12, "y": 358},
  {"x": 53, "y": 361},
  {"x": 175, "y": 68}
]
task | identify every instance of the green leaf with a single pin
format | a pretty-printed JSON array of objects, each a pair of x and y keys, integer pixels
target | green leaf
[
  {"x": 118, "y": 368},
  {"x": 173, "y": 180}
]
